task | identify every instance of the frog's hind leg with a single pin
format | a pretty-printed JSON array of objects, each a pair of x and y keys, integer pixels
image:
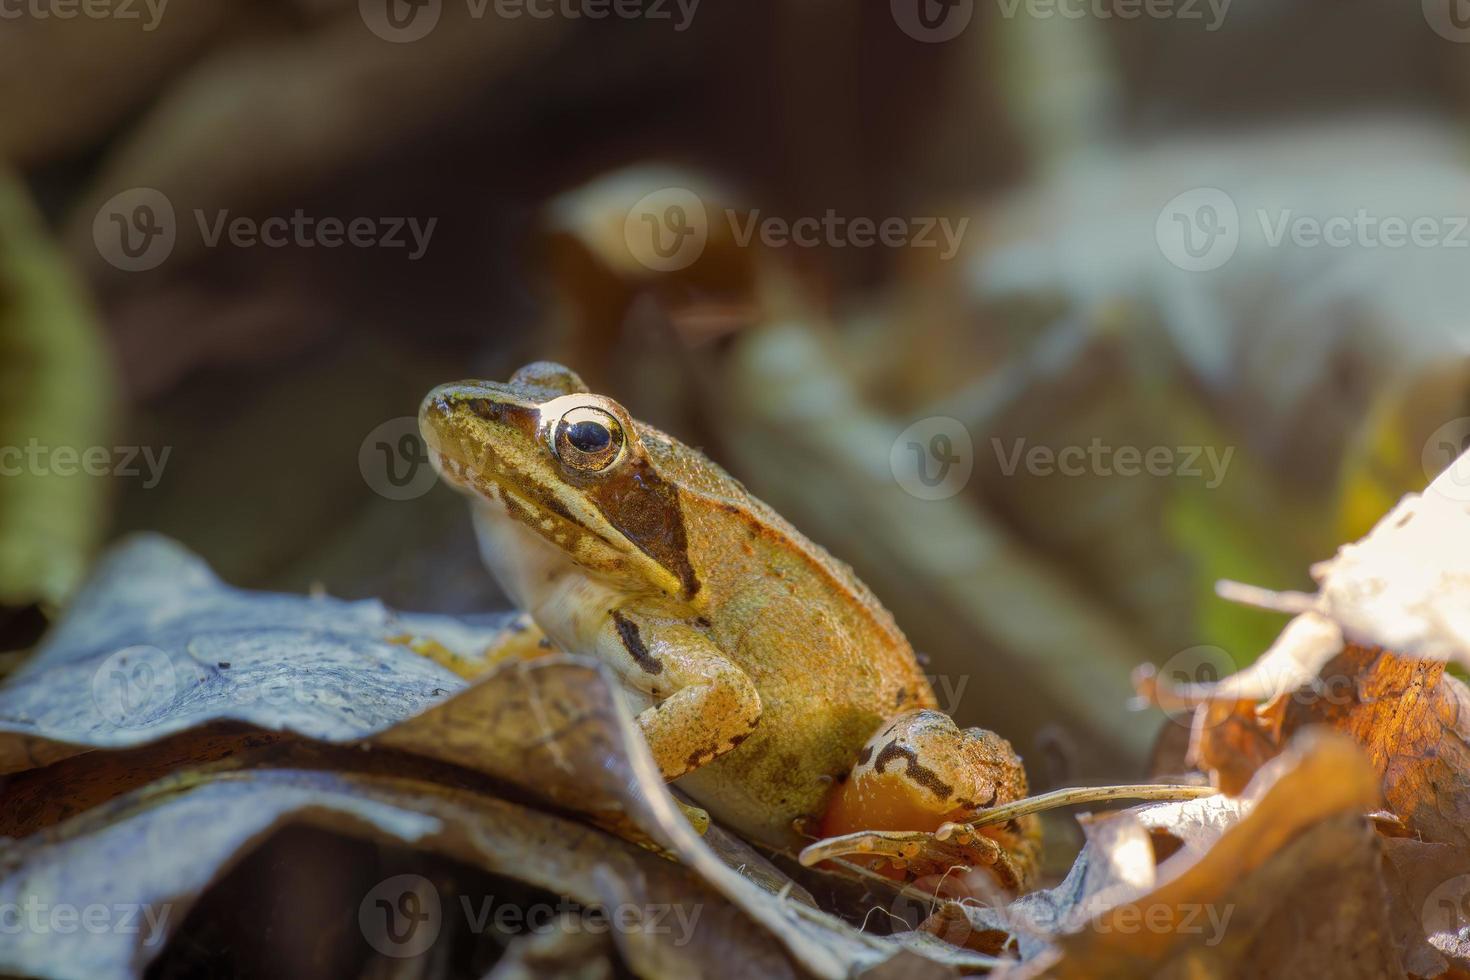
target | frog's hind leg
[{"x": 918, "y": 774}]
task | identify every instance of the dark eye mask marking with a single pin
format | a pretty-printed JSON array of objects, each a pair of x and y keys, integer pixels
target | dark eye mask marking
[
  {"x": 915, "y": 770},
  {"x": 642, "y": 505},
  {"x": 633, "y": 643}
]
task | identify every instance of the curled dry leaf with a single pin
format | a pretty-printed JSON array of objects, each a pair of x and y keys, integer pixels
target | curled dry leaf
[
  {"x": 554, "y": 729},
  {"x": 1400, "y": 589},
  {"x": 1366, "y": 656},
  {"x": 155, "y": 644},
  {"x": 1403, "y": 588},
  {"x": 1293, "y": 840},
  {"x": 158, "y": 848}
]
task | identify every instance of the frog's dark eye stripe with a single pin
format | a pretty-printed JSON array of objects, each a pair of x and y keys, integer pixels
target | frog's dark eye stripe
[{"x": 588, "y": 439}]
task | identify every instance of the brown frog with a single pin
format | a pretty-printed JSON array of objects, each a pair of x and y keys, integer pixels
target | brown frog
[{"x": 768, "y": 681}]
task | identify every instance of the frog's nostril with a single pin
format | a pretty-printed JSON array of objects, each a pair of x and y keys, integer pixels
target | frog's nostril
[{"x": 437, "y": 405}]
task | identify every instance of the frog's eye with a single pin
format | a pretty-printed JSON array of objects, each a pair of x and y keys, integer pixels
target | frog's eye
[{"x": 588, "y": 439}]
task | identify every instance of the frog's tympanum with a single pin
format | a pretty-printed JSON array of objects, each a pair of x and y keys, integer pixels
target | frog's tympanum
[{"x": 767, "y": 679}]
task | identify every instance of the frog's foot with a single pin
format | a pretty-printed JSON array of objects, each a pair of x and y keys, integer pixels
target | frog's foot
[
  {"x": 698, "y": 818},
  {"x": 908, "y": 855},
  {"x": 903, "y": 809}
]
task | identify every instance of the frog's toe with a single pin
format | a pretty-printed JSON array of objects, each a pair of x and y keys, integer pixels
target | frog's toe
[
  {"x": 698, "y": 818},
  {"x": 909, "y": 855}
]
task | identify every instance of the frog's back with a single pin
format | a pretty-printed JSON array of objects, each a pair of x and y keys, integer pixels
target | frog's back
[
  {"x": 768, "y": 531},
  {"x": 828, "y": 660}
]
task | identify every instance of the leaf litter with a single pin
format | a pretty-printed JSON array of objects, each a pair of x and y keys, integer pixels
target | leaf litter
[{"x": 147, "y": 759}]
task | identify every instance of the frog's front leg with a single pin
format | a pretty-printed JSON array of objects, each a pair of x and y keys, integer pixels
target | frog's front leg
[
  {"x": 704, "y": 705},
  {"x": 920, "y": 773}
]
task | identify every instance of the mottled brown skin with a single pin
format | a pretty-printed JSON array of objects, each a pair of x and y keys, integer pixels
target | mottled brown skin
[{"x": 760, "y": 665}]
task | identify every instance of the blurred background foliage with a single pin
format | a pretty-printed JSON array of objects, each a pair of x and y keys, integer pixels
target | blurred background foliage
[{"x": 1324, "y": 372}]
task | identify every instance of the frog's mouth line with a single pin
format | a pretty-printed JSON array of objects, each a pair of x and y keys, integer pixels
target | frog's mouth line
[{"x": 542, "y": 512}]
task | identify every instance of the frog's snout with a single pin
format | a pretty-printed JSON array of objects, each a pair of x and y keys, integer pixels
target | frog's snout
[
  {"x": 468, "y": 425},
  {"x": 447, "y": 422}
]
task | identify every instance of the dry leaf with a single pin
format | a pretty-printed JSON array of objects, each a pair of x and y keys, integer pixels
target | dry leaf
[
  {"x": 155, "y": 645},
  {"x": 555, "y": 729},
  {"x": 154, "y": 851},
  {"x": 1301, "y": 834}
]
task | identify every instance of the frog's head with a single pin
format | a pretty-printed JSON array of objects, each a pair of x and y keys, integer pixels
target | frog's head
[{"x": 569, "y": 465}]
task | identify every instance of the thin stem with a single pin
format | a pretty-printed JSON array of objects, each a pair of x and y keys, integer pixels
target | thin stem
[{"x": 1080, "y": 794}]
